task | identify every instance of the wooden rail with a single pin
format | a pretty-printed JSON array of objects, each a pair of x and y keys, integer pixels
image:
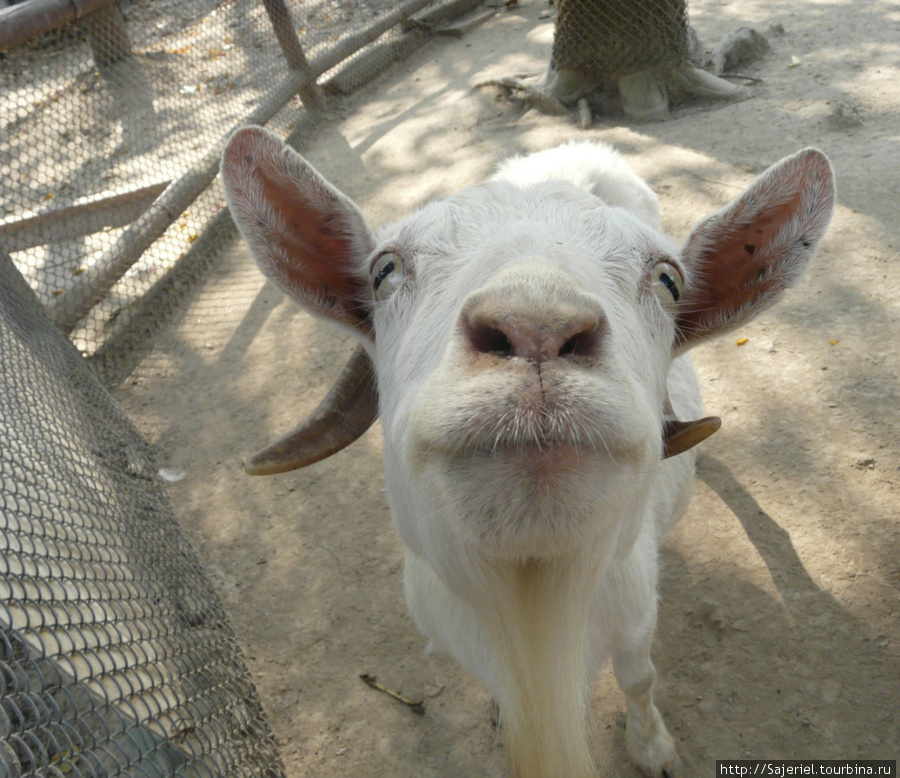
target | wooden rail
[
  {"x": 24, "y": 21},
  {"x": 75, "y": 221},
  {"x": 69, "y": 307}
]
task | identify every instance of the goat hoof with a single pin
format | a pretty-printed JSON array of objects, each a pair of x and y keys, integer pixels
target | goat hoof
[
  {"x": 672, "y": 769},
  {"x": 652, "y": 748},
  {"x": 675, "y": 770}
]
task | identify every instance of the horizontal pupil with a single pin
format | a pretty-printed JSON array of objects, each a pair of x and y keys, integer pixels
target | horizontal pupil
[
  {"x": 382, "y": 274},
  {"x": 670, "y": 285}
]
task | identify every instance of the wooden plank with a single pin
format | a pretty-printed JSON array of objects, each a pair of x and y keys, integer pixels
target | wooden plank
[
  {"x": 77, "y": 220},
  {"x": 350, "y": 44},
  {"x": 458, "y": 29},
  {"x": 441, "y": 14},
  {"x": 24, "y": 21},
  {"x": 67, "y": 309}
]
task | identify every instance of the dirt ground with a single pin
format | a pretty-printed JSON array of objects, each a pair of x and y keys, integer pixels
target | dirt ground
[{"x": 779, "y": 634}]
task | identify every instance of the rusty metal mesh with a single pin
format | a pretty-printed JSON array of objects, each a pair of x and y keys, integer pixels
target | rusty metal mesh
[
  {"x": 115, "y": 655},
  {"x": 111, "y": 130},
  {"x": 606, "y": 39}
]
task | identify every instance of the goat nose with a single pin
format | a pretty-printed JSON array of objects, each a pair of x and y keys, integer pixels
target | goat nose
[{"x": 541, "y": 334}]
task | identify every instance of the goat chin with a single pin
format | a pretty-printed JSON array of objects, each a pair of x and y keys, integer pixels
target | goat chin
[
  {"x": 535, "y": 631},
  {"x": 526, "y": 641}
]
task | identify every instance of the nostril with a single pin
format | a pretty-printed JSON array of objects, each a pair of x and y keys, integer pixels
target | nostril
[
  {"x": 490, "y": 340},
  {"x": 584, "y": 344},
  {"x": 522, "y": 324},
  {"x": 536, "y": 341}
]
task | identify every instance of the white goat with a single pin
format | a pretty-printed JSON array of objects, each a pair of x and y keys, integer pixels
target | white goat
[{"x": 528, "y": 339}]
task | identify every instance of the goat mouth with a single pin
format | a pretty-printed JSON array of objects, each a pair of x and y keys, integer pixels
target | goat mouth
[
  {"x": 546, "y": 461},
  {"x": 536, "y": 469},
  {"x": 577, "y": 424},
  {"x": 524, "y": 446}
]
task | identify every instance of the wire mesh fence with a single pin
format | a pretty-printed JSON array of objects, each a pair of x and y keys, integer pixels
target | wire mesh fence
[
  {"x": 616, "y": 38},
  {"x": 115, "y": 655},
  {"x": 111, "y": 129}
]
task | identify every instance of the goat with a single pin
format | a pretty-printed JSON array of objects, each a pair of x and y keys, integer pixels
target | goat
[{"x": 524, "y": 342}]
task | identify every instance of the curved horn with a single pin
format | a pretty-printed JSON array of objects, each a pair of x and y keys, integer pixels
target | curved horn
[
  {"x": 347, "y": 411},
  {"x": 679, "y": 436}
]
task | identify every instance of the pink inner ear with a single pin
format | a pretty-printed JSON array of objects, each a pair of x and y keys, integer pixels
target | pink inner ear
[
  {"x": 319, "y": 244},
  {"x": 304, "y": 234},
  {"x": 742, "y": 257},
  {"x": 741, "y": 266}
]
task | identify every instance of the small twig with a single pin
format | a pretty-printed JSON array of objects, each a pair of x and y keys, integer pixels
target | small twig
[
  {"x": 748, "y": 79},
  {"x": 711, "y": 181},
  {"x": 415, "y": 707}
]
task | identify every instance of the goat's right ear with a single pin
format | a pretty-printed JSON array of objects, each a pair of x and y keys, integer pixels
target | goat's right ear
[{"x": 304, "y": 234}]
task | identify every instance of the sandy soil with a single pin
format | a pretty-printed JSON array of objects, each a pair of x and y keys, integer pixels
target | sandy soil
[{"x": 779, "y": 634}]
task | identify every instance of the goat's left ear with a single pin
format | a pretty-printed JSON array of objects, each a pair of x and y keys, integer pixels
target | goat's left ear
[
  {"x": 740, "y": 259},
  {"x": 304, "y": 234}
]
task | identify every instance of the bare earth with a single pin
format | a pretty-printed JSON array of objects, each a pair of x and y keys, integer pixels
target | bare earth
[{"x": 779, "y": 634}]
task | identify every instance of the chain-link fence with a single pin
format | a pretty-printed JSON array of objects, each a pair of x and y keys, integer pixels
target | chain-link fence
[
  {"x": 115, "y": 655},
  {"x": 617, "y": 38},
  {"x": 111, "y": 129}
]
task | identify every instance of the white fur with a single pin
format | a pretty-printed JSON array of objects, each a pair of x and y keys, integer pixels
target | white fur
[
  {"x": 529, "y": 492},
  {"x": 605, "y": 175}
]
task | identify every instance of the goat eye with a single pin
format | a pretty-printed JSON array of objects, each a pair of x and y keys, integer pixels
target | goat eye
[
  {"x": 667, "y": 284},
  {"x": 388, "y": 272}
]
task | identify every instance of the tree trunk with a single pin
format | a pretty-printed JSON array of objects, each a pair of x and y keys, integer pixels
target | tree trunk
[
  {"x": 108, "y": 36},
  {"x": 630, "y": 51},
  {"x": 603, "y": 40}
]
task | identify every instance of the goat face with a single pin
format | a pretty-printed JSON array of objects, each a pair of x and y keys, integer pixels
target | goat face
[{"x": 522, "y": 355}]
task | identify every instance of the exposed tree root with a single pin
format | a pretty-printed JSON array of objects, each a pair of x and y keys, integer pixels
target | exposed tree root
[
  {"x": 643, "y": 96},
  {"x": 532, "y": 95}
]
